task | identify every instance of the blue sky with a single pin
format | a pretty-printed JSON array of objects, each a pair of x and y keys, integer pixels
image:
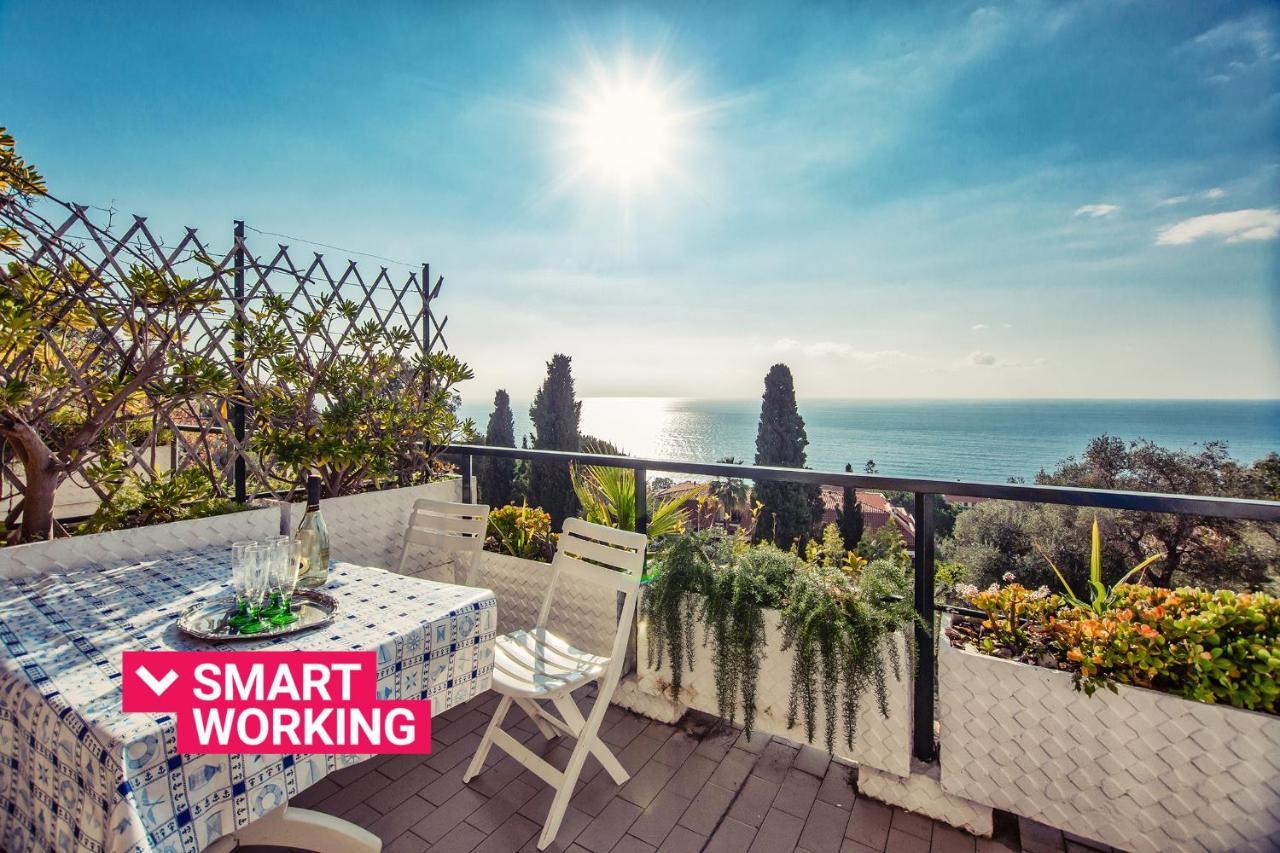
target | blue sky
[{"x": 1021, "y": 200}]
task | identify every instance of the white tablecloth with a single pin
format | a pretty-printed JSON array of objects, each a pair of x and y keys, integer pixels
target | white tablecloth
[{"x": 78, "y": 774}]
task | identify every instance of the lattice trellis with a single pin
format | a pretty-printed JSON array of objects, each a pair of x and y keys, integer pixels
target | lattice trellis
[{"x": 202, "y": 430}]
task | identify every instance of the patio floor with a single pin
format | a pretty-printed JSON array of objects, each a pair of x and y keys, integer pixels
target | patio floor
[{"x": 695, "y": 786}]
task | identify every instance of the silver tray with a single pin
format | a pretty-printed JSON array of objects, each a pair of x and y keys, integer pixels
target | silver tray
[{"x": 208, "y": 620}]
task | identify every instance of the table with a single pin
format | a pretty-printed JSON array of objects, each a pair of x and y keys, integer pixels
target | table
[{"x": 78, "y": 774}]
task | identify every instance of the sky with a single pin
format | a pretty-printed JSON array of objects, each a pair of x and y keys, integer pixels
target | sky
[{"x": 1020, "y": 200}]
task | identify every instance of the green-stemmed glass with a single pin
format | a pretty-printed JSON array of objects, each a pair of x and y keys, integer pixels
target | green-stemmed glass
[
  {"x": 256, "y": 589},
  {"x": 277, "y": 556},
  {"x": 284, "y": 570},
  {"x": 241, "y": 557}
]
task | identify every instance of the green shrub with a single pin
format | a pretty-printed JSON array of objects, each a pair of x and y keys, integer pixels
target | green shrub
[
  {"x": 169, "y": 496},
  {"x": 522, "y": 531}
]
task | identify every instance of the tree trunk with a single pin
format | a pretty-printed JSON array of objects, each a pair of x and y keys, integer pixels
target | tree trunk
[{"x": 40, "y": 478}]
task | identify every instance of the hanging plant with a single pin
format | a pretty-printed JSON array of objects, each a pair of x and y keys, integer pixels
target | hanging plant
[
  {"x": 841, "y": 625},
  {"x": 671, "y": 605},
  {"x": 736, "y": 598}
]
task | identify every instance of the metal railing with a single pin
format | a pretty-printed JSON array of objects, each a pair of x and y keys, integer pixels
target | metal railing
[{"x": 927, "y": 493}]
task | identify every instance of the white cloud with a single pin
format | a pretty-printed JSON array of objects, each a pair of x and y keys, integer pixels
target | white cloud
[
  {"x": 982, "y": 359},
  {"x": 1237, "y": 226},
  {"x": 1172, "y": 200},
  {"x": 1096, "y": 211},
  {"x": 1213, "y": 194},
  {"x": 978, "y": 327},
  {"x": 828, "y": 349}
]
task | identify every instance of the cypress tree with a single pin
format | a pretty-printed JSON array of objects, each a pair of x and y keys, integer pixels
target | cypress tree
[
  {"x": 791, "y": 510},
  {"x": 497, "y": 476},
  {"x": 849, "y": 519},
  {"x": 555, "y": 414}
]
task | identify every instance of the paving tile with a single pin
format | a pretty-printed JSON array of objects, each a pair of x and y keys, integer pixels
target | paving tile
[
  {"x": 458, "y": 752},
  {"x": 704, "y": 813},
  {"x": 624, "y": 731},
  {"x": 609, "y": 826},
  {"x": 353, "y": 793},
  {"x": 1038, "y": 838},
  {"x": 756, "y": 743},
  {"x": 1082, "y": 843},
  {"x": 631, "y": 844},
  {"x": 646, "y": 784},
  {"x": 515, "y": 832},
  {"x": 677, "y": 748},
  {"x": 440, "y": 820},
  {"x": 775, "y": 761},
  {"x": 468, "y": 722},
  {"x": 948, "y": 839},
  {"x": 692, "y": 776},
  {"x": 905, "y": 842},
  {"x": 851, "y": 846},
  {"x": 717, "y": 742},
  {"x": 571, "y": 826},
  {"x": 657, "y": 821},
  {"x": 443, "y": 788},
  {"x": 408, "y": 843},
  {"x": 397, "y": 765},
  {"x": 813, "y": 760},
  {"x": 780, "y": 831},
  {"x": 597, "y": 794},
  {"x": 734, "y": 769},
  {"x": 403, "y": 788},
  {"x": 493, "y": 778},
  {"x": 397, "y": 821},
  {"x": 997, "y": 845},
  {"x": 503, "y": 805},
  {"x": 662, "y": 731},
  {"x": 638, "y": 752},
  {"x": 463, "y": 838},
  {"x": 732, "y": 837},
  {"x": 824, "y": 828},
  {"x": 835, "y": 787},
  {"x": 912, "y": 823},
  {"x": 754, "y": 800},
  {"x": 683, "y": 840},
  {"x": 869, "y": 822},
  {"x": 799, "y": 790}
]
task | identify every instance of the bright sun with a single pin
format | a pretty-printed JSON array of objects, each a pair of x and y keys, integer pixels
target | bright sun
[{"x": 625, "y": 131}]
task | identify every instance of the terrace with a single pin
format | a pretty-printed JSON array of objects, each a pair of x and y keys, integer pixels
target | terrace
[{"x": 968, "y": 752}]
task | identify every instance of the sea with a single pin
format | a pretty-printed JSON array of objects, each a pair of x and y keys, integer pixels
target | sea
[{"x": 979, "y": 440}]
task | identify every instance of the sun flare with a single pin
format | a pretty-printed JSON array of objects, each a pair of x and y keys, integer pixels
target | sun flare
[{"x": 625, "y": 129}]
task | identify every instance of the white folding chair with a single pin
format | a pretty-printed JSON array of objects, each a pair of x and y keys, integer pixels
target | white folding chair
[
  {"x": 453, "y": 529},
  {"x": 540, "y": 665}
]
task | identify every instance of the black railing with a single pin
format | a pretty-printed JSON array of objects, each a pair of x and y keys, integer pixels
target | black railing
[{"x": 927, "y": 492}]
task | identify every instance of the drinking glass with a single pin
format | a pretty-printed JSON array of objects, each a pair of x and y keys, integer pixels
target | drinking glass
[
  {"x": 241, "y": 558},
  {"x": 277, "y": 558},
  {"x": 259, "y": 566},
  {"x": 284, "y": 578}
]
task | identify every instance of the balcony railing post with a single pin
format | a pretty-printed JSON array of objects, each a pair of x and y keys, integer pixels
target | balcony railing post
[
  {"x": 467, "y": 497},
  {"x": 642, "y": 501},
  {"x": 925, "y": 683},
  {"x": 238, "y": 351}
]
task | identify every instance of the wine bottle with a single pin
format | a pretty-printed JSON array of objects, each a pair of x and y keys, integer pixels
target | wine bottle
[{"x": 316, "y": 573}]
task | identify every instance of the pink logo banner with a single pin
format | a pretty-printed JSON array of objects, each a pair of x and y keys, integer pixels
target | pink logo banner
[{"x": 274, "y": 702}]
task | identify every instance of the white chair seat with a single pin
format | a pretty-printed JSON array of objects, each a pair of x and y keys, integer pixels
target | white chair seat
[{"x": 538, "y": 664}]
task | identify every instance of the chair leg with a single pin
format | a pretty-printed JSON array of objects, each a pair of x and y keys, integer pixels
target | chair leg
[
  {"x": 586, "y": 738},
  {"x": 531, "y": 708},
  {"x": 482, "y": 751},
  {"x": 569, "y": 711}
]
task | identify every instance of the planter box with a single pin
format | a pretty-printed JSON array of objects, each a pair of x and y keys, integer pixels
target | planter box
[
  {"x": 881, "y": 743},
  {"x": 1137, "y": 769}
]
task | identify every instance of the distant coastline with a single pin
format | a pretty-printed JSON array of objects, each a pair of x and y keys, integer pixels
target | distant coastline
[{"x": 977, "y": 439}]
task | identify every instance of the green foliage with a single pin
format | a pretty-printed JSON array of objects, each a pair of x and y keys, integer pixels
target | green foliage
[
  {"x": 608, "y": 497},
  {"x": 1216, "y": 647},
  {"x": 842, "y": 630},
  {"x": 849, "y": 517},
  {"x": 736, "y": 595},
  {"x": 496, "y": 477},
  {"x": 731, "y": 493},
  {"x": 791, "y": 510},
  {"x": 352, "y": 413},
  {"x": 885, "y": 544},
  {"x": 170, "y": 496},
  {"x": 522, "y": 531},
  {"x": 556, "y": 414},
  {"x": 1205, "y": 551},
  {"x": 681, "y": 572},
  {"x": 1101, "y": 598}
]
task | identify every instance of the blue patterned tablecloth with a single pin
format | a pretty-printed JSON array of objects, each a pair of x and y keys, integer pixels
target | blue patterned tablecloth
[{"x": 78, "y": 774}]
